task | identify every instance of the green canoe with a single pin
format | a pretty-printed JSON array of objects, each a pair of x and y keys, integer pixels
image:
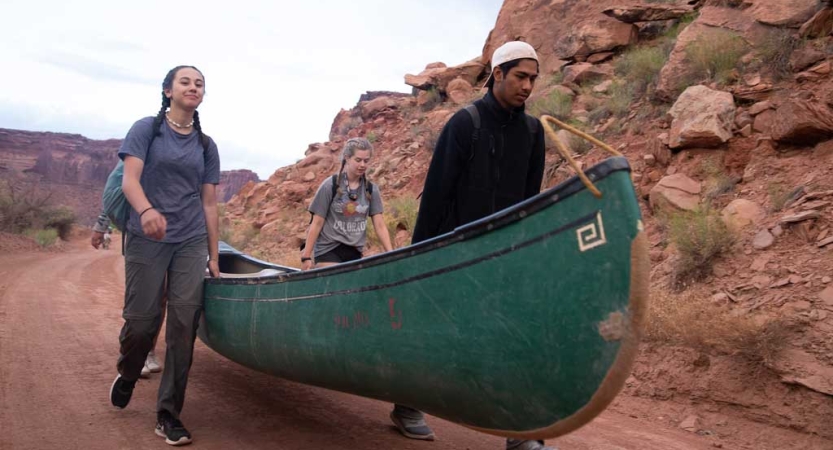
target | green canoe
[{"x": 522, "y": 324}]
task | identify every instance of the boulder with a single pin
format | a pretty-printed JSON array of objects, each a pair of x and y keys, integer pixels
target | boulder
[
  {"x": 763, "y": 240},
  {"x": 583, "y": 72},
  {"x": 702, "y": 118},
  {"x": 805, "y": 57},
  {"x": 712, "y": 23},
  {"x": 780, "y": 13},
  {"x": 559, "y": 30},
  {"x": 802, "y": 122},
  {"x": 647, "y": 13},
  {"x": 459, "y": 91},
  {"x": 760, "y": 107},
  {"x": 678, "y": 190},
  {"x": 763, "y": 121},
  {"x": 375, "y": 106},
  {"x": 741, "y": 213},
  {"x": 819, "y": 25},
  {"x": 438, "y": 77}
]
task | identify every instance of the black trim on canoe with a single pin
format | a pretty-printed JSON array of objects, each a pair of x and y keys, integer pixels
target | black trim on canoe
[
  {"x": 422, "y": 276},
  {"x": 462, "y": 233}
]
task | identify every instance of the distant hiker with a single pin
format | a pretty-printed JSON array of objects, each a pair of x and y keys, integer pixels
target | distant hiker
[
  {"x": 102, "y": 226},
  {"x": 171, "y": 171},
  {"x": 489, "y": 156},
  {"x": 338, "y": 228}
]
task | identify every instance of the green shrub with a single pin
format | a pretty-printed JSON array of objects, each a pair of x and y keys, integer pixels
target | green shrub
[
  {"x": 715, "y": 55},
  {"x": 44, "y": 238},
  {"x": 370, "y": 136},
  {"x": 700, "y": 236},
  {"x": 400, "y": 213},
  {"x": 621, "y": 97},
  {"x": 778, "y": 195},
  {"x": 641, "y": 66},
  {"x": 61, "y": 219},
  {"x": 557, "y": 104},
  {"x": 774, "y": 52},
  {"x": 433, "y": 99}
]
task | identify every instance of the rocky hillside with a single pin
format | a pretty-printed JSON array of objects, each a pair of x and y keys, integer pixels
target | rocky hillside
[
  {"x": 71, "y": 170},
  {"x": 723, "y": 108},
  {"x": 231, "y": 181}
]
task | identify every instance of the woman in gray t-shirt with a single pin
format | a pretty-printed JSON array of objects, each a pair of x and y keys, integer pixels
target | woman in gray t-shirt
[{"x": 338, "y": 230}]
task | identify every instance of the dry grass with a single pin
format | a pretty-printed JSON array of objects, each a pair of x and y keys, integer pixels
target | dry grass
[
  {"x": 775, "y": 50},
  {"x": 556, "y": 104},
  {"x": 700, "y": 237},
  {"x": 433, "y": 99},
  {"x": 400, "y": 214},
  {"x": 718, "y": 182},
  {"x": 714, "y": 55},
  {"x": 692, "y": 320},
  {"x": 641, "y": 67},
  {"x": 778, "y": 195}
]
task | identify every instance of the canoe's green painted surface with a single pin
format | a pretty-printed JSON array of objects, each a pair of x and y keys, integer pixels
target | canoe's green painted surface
[{"x": 497, "y": 331}]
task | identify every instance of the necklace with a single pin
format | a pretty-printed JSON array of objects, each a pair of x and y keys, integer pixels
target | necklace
[
  {"x": 353, "y": 194},
  {"x": 178, "y": 125}
]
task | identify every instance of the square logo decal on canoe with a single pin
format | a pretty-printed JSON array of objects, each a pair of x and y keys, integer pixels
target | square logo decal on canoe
[{"x": 591, "y": 235}]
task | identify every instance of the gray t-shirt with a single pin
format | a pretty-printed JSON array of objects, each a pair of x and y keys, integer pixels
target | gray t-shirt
[
  {"x": 346, "y": 221},
  {"x": 175, "y": 169}
]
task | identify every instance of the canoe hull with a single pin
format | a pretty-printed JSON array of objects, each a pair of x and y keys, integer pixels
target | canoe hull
[{"x": 524, "y": 324}]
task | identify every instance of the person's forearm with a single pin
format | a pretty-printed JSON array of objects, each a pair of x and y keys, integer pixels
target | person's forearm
[
  {"x": 212, "y": 225},
  {"x": 382, "y": 231},
  {"x": 314, "y": 230}
]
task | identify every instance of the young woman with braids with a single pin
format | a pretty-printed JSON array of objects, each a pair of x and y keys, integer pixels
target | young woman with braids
[
  {"x": 338, "y": 230},
  {"x": 171, "y": 170}
]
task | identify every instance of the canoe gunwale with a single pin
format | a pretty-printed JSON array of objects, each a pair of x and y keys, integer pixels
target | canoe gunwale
[{"x": 462, "y": 233}]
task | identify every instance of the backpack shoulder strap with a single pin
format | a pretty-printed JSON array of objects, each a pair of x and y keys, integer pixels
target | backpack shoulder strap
[
  {"x": 334, "y": 187},
  {"x": 475, "y": 134},
  {"x": 532, "y": 125}
]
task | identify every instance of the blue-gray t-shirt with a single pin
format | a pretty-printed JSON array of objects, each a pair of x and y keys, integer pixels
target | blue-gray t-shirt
[{"x": 176, "y": 167}]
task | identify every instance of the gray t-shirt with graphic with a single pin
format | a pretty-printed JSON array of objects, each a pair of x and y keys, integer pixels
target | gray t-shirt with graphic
[
  {"x": 175, "y": 169},
  {"x": 345, "y": 220}
]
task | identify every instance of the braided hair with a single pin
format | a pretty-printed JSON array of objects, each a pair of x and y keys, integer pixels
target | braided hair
[
  {"x": 350, "y": 147},
  {"x": 168, "y": 83}
]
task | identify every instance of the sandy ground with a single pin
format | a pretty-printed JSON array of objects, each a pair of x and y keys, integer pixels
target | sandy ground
[{"x": 59, "y": 323}]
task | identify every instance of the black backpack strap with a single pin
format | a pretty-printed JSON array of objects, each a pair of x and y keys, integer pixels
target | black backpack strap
[
  {"x": 532, "y": 125},
  {"x": 475, "y": 120},
  {"x": 332, "y": 197},
  {"x": 335, "y": 188}
]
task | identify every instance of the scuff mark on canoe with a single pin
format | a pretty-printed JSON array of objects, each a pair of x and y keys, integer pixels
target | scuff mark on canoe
[{"x": 614, "y": 328}]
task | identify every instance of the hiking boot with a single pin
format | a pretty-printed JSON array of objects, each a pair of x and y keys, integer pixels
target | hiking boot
[
  {"x": 514, "y": 444},
  {"x": 171, "y": 429},
  {"x": 121, "y": 391},
  {"x": 411, "y": 427},
  {"x": 152, "y": 363}
]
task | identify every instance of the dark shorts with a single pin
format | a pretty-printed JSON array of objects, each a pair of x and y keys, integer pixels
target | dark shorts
[{"x": 340, "y": 254}]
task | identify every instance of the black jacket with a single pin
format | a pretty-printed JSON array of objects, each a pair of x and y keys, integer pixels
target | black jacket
[{"x": 462, "y": 186}]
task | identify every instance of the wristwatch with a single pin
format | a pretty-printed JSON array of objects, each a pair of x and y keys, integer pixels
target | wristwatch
[{"x": 305, "y": 258}]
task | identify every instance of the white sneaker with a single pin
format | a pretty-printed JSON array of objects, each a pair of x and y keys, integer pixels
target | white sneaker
[
  {"x": 152, "y": 364},
  {"x": 145, "y": 371}
]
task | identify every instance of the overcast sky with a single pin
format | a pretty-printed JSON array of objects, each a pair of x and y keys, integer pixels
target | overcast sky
[{"x": 276, "y": 72}]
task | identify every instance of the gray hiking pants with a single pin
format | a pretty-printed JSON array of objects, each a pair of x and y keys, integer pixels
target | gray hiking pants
[{"x": 146, "y": 265}]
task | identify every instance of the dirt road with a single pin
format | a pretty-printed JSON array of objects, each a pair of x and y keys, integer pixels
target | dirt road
[{"x": 59, "y": 322}]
